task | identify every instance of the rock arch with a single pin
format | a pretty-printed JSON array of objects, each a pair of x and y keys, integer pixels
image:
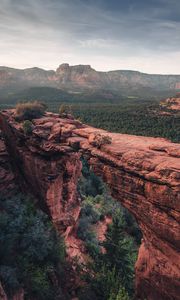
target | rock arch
[{"x": 142, "y": 173}]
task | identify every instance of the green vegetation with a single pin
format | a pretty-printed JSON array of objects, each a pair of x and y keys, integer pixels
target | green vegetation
[
  {"x": 31, "y": 254},
  {"x": 120, "y": 254},
  {"x": 110, "y": 274},
  {"x": 89, "y": 183},
  {"x": 132, "y": 118},
  {"x": 64, "y": 109},
  {"x": 27, "y": 127},
  {"x": 131, "y": 114},
  {"x": 29, "y": 110}
]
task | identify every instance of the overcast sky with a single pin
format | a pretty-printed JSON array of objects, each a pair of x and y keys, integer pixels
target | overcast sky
[{"x": 139, "y": 35}]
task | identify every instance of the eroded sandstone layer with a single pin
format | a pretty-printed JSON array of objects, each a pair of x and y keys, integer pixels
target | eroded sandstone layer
[{"x": 143, "y": 173}]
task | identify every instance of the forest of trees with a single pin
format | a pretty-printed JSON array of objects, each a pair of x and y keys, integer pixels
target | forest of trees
[
  {"x": 139, "y": 119},
  {"x": 131, "y": 115},
  {"x": 32, "y": 256}
]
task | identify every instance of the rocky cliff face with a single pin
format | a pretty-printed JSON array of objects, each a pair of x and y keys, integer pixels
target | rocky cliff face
[
  {"x": 81, "y": 76},
  {"x": 142, "y": 173},
  {"x": 18, "y": 296},
  {"x": 48, "y": 170},
  {"x": 84, "y": 77}
]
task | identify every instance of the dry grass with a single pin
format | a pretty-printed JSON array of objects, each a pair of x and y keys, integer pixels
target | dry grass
[{"x": 29, "y": 110}]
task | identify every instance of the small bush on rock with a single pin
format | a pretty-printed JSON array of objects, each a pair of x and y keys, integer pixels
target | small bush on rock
[
  {"x": 99, "y": 140},
  {"x": 27, "y": 127},
  {"x": 29, "y": 110},
  {"x": 65, "y": 111}
]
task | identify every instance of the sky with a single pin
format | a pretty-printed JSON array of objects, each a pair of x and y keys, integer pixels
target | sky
[{"x": 141, "y": 35}]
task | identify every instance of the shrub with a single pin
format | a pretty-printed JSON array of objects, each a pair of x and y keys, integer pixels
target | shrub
[
  {"x": 92, "y": 247},
  {"x": 89, "y": 210},
  {"x": 27, "y": 127},
  {"x": 83, "y": 228},
  {"x": 122, "y": 295},
  {"x": 29, "y": 110},
  {"x": 99, "y": 140},
  {"x": 106, "y": 284},
  {"x": 89, "y": 184},
  {"x": 64, "y": 110}
]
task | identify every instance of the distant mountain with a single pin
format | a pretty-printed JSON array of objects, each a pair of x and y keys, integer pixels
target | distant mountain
[{"x": 83, "y": 77}]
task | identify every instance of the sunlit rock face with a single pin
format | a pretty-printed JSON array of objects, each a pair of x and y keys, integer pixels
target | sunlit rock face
[
  {"x": 142, "y": 173},
  {"x": 173, "y": 103}
]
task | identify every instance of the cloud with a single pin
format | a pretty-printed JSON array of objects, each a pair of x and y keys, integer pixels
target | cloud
[{"x": 141, "y": 34}]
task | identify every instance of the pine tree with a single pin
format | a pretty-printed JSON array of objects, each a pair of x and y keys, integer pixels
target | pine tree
[{"x": 120, "y": 251}]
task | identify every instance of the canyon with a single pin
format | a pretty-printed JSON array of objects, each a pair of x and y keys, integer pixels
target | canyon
[{"x": 142, "y": 173}]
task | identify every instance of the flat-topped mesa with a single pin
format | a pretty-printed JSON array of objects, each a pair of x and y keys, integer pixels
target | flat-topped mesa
[
  {"x": 142, "y": 173},
  {"x": 79, "y": 68}
]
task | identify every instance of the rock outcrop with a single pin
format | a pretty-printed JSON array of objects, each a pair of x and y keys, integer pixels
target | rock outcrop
[
  {"x": 142, "y": 173},
  {"x": 48, "y": 170},
  {"x": 173, "y": 103}
]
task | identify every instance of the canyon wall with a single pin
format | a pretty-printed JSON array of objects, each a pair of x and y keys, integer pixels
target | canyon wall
[
  {"x": 142, "y": 173},
  {"x": 19, "y": 295}
]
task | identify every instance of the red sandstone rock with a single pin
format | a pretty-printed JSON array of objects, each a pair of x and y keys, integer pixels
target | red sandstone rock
[
  {"x": 2, "y": 293},
  {"x": 143, "y": 173},
  {"x": 47, "y": 172},
  {"x": 19, "y": 295},
  {"x": 173, "y": 103}
]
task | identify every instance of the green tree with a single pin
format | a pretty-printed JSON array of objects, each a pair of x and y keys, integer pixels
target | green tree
[
  {"x": 110, "y": 275},
  {"x": 122, "y": 295},
  {"x": 119, "y": 251},
  {"x": 31, "y": 254}
]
